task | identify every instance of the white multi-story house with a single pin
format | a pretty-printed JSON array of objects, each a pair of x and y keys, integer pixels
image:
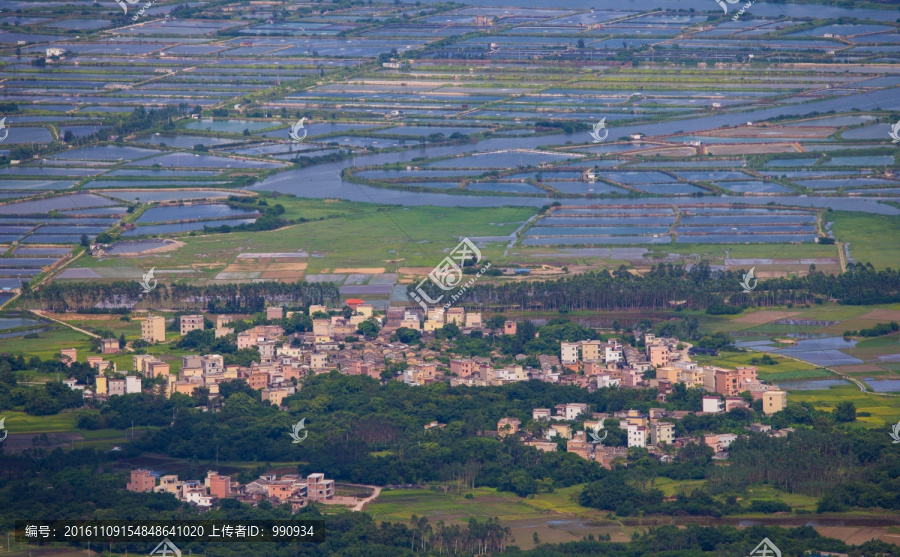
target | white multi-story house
[
  {"x": 637, "y": 436},
  {"x": 569, "y": 353}
]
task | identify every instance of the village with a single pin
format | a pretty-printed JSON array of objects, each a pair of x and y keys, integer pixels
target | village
[
  {"x": 338, "y": 342},
  {"x": 335, "y": 343},
  {"x": 289, "y": 488}
]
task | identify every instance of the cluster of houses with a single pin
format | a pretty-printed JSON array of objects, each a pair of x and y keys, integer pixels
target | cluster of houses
[
  {"x": 654, "y": 431},
  {"x": 334, "y": 343},
  {"x": 205, "y": 494}
]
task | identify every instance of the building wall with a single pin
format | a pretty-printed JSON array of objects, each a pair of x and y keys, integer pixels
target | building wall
[
  {"x": 774, "y": 401},
  {"x": 141, "y": 481},
  {"x": 727, "y": 382},
  {"x": 220, "y": 486},
  {"x": 153, "y": 329},
  {"x": 191, "y": 323}
]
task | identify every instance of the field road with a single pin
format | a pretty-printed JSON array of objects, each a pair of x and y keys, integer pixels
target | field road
[
  {"x": 376, "y": 491},
  {"x": 39, "y": 313}
]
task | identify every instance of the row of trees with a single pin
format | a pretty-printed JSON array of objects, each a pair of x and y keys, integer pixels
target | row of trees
[
  {"x": 667, "y": 285},
  {"x": 227, "y": 298}
]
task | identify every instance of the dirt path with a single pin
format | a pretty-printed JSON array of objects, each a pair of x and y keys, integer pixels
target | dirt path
[
  {"x": 39, "y": 313},
  {"x": 376, "y": 491}
]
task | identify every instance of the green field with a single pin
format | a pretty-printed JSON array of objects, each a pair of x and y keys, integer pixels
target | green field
[
  {"x": 859, "y": 229},
  {"x": 380, "y": 236},
  {"x": 20, "y": 422},
  {"x": 785, "y": 369},
  {"x": 884, "y": 410},
  {"x": 47, "y": 345}
]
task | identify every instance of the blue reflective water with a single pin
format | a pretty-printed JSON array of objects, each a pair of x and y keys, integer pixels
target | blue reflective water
[{"x": 883, "y": 385}]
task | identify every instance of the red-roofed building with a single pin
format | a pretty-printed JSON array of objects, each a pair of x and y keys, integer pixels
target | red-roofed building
[{"x": 355, "y": 303}]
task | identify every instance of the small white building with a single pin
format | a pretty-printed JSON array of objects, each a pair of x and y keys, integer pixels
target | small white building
[
  {"x": 132, "y": 384},
  {"x": 712, "y": 404},
  {"x": 605, "y": 380},
  {"x": 540, "y": 414}
]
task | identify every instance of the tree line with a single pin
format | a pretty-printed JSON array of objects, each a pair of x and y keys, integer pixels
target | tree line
[
  {"x": 222, "y": 298},
  {"x": 667, "y": 286}
]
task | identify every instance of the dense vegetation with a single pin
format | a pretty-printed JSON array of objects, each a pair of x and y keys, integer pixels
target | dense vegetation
[
  {"x": 229, "y": 298},
  {"x": 701, "y": 287},
  {"x": 350, "y": 418},
  {"x": 43, "y": 400},
  {"x": 88, "y": 484}
]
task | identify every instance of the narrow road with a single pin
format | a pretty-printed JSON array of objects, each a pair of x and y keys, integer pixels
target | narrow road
[
  {"x": 376, "y": 491},
  {"x": 840, "y": 250},
  {"x": 514, "y": 237},
  {"x": 39, "y": 313}
]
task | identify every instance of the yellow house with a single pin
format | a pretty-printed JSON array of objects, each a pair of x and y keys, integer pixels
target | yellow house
[
  {"x": 102, "y": 384},
  {"x": 692, "y": 378},
  {"x": 153, "y": 329},
  {"x": 562, "y": 430},
  {"x": 667, "y": 373},
  {"x": 591, "y": 350},
  {"x": 774, "y": 401}
]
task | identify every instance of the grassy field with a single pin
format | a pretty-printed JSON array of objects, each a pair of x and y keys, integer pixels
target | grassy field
[
  {"x": 859, "y": 229},
  {"x": 786, "y": 368},
  {"x": 379, "y": 236},
  {"x": 797, "y": 501},
  {"x": 20, "y": 422},
  {"x": 47, "y": 345},
  {"x": 556, "y": 517},
  {"x": 884, "y": 410}
]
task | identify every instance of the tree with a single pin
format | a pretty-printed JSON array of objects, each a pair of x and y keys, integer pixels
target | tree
[
  {"x": 85, "y": 241},
  {"x": 449, "y": 330},
  {"x": 368, "y": 328},
  {"x": 845, "y": 412},
  {"x": 496, "y": 322},
  {"x": 407, "y": 335}
]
